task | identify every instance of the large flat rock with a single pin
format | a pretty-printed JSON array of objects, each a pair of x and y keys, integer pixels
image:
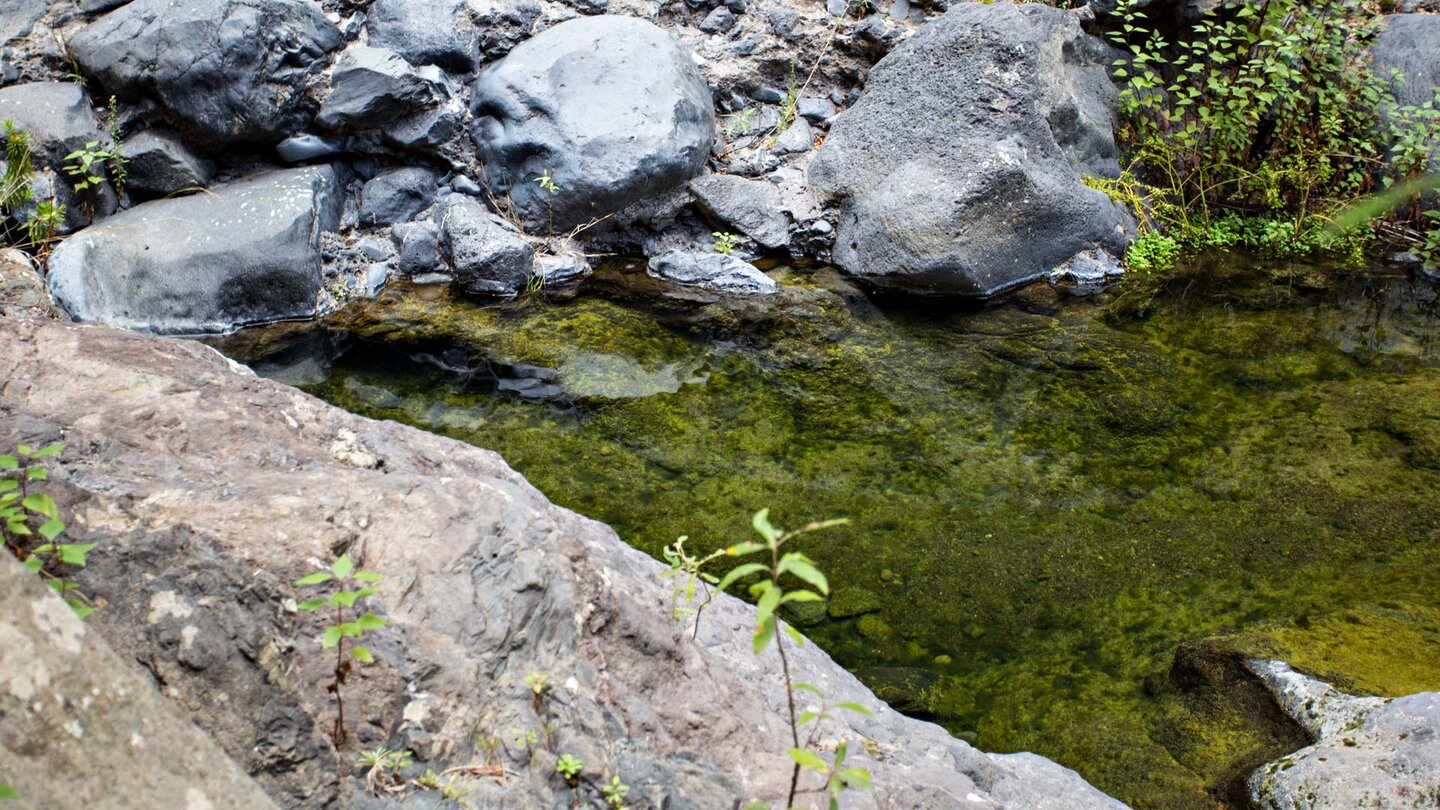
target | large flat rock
[
  {"x": 209, "y": 491},
  {"x": 240, "y": 253}
]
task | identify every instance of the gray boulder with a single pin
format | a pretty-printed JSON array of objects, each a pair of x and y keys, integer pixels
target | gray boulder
[
  {"x": 752, "y": 206},
  {"x": 59, "y": 120},
  {"x": 210, "y": 491},
  {"x": 1410, "y": 45},
  {"x": 612, "y": 107},
  {"x": 72, "y": 706},
  {"x": 245, "y": 252},
  {"x": 797, "y": 138},
  {"x": 417, "y": 245},
  {"x": 372, "y": 87},
  {"x": 17, "y": 17},
  {"x": 1368, "y": 752},
  {"x": 959, "y": 170},
  {"x": 159, "y": 163},
  {"x": 229, "y": 71},
  {"x": 486, "y": 254},
  {"x": 717, "y": 272},
  {"x": 396, "y": 195},
  {"x": 457, "y": 35},
  {"x": 560, "y": 269}
]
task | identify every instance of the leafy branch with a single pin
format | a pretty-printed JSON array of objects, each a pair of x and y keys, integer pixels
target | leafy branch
[{"x": 343, "y": 577}]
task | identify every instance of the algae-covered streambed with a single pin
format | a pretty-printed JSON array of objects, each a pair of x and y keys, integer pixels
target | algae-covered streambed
[{"x": 1045, "y": 499}]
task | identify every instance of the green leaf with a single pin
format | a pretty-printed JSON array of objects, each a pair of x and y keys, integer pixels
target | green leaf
[
  {"x": 761, "y": 522},
  {"x": 351, "y": 630},
  {"x": 342, "y": 567},
  {"x": 7, "y": 792},
  {"x": 744, "y": 549},
  {"x": 362, "y": 654},
  {"x": 801, "y": 686},
  {"x": 802, "y": 567},
  {"x": 764, "y": 631},
  {"x": 370, "y": 621},
  {"x": 8, "y": 462},
  {"x": 312, "y": 604},
  {"x": 40, "y": 504},
  {"x": 314, "y": 579},
  {"x": 73, "y": 554},
  {"x": 808, "y": 759},
  {"x": 37, "y": 474},
  {"x": 739, "y": 572},
  {"x": 344, "y": 598},
  {"x": 81, "y": 609},
  {"x": 330, "y": 638},
  {"x": 52, "y": 528},
  {"x": 854, "y": 707},
  {"x": 24, "y": 449},
  {"x": 49, "y": 450},
  {"x": 368, "y": 576},
  {"x": 795, "y": 636},
  {"x": 9, "y": 484},
  {"x": 364, "y": 592},
  {"x": 857, "y": 778},
  {"x": 765, "y": 608},
  {"x": 33, "y": 563}
]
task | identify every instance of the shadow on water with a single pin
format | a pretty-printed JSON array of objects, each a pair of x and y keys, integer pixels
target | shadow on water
[{"x": 1048, "y": 498}]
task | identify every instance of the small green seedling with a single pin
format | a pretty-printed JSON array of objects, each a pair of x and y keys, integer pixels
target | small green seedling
[
  {"x": 343, "y": 575},
  {"x": 382, "y": 768},
  {"x": 725, "y": 241},
  {"x": 547, "y": 182},
  {"x": 615, "y": 792},
  {"x": 569, "y": 767}
]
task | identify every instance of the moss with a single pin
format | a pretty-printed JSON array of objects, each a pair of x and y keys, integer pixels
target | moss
[{"x": 1059, "y": 498}]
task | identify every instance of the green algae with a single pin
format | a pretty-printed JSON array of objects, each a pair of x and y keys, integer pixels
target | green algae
[{"x": 1045, "y": 500}]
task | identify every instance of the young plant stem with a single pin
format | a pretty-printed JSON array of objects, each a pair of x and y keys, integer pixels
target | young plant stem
[
  {"x": 785, "y": 671},
  {"x": 338, "y": 733}
]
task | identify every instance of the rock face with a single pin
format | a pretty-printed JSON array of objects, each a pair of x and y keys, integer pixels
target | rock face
[
  {"x": 1369, "y": 752},
  {"x": 18, "y": 16},
  {"x": 612, "y": 107},
  {"x": 72, "y": 706},
  {"x": 959, "y": 170},
  {"x": 159, "y": 164},
  {"x": 1409, "y": 44},
  {"x": 246, "y": 252},
  {"x": 711, "y": 271},
  {"x": 487, "y": 255},
  {"x": 230, "y": 71},
  {"x": 209, "y": 491}
]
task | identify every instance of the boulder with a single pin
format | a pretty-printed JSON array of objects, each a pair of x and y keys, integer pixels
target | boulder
[
  {"x": 159, "y": 163},
  {"x": 245, "y": 252},
  {"x": 209, "y": 491},
  {"x": 754, "y": 207},
  {"x": 561, "y": 269},
  {"x": 611, "y": 107},
  {"x": 717, "y": 272},
  {"x": 372, "y": 87},
  {"x": 229, "y": 71},
  {"x": 958, "y": 172},
  {"x": 17, "y": 17},
  {"x": 1368, "y": 751},
  {"x": 59, "y": 120},
  {"x": 1409, "y": 45},
  {"x": 74, "y": 707},
  {"x": 418, "y": 246},
  {"x": 396, "y": 195},
  {"x": 457, "y": 35},
  {"x": 486, "y": 254}
]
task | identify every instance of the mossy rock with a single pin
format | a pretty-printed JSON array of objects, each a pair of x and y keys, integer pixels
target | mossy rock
[
  {"x": 874, "y": 628},
  {"x": 804, "y": 614},
  {"x": 849, "y": 602}
]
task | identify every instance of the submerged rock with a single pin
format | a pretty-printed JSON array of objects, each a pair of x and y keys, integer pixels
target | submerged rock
[
  {"x": 203, "y": 526},
  {"x": 611, "y": 107},
  {"x": 230, "y": 71},
  {"x": 245, "y": 252},
  {"x": 959, "y": 170},
  {"x": 712, "y": 271},
  {"x": 1369, "y": 751}
]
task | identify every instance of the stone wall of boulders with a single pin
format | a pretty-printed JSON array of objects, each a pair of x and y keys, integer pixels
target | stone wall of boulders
[{"x": 572, "y": 128}]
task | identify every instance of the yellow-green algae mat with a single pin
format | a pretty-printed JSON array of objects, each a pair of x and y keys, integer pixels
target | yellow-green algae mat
[{"x": 1047, "y": 497}]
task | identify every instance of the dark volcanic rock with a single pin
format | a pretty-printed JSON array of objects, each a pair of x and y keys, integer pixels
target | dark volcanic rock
[
  {"x": 959, "y": 170},
  {"x": 244, "y": 252},
  {"x": 486, "y": 254},
  {"x": 752, "y": 206},
  {"x": 372, "y": 87},
  {"x": 396, "y": 195},
  {"x": 159, "y": 164},
  {"x": 612, "y": 107},
  {"x": 229, "y": 71}
]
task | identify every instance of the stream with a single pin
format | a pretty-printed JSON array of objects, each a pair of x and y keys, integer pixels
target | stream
[{"x": 1047, "y": 495}]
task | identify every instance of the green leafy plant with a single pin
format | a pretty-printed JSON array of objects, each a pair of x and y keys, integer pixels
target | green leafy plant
[
  {"x": 539, "y": 683},
  {"x": 41, "y": 227},
  {"x": 87, "y": 165},
  {"x": 569, "y": 767},
  {"x": 19, "y": 165},
  {"x": 119, "y": 164},
  {"x": 547, "y": 183},
  {"x": 8, "y": 793},
  {"x": 525, "y": 737},
  {"x": 382, "y": 769},
  {"x": 738, "y": 123},
  {"x": 781, "y": 576},
  {"x": 343, "y": 578},
  {"x": 688, "y": 576},
  {"x": 615, "y": 792},
  {"x": 30, "y": 524},
  {"x": 725, "y": 241},
  {"x": 1267, "y": 111}
]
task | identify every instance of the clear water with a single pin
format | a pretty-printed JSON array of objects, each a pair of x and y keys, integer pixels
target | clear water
[{"x": 1046, "y": 497}]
